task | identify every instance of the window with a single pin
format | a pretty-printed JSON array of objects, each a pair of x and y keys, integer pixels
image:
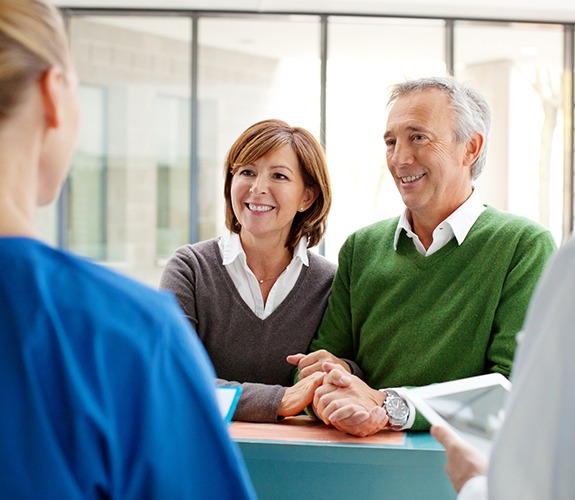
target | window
[
  {"x": 520, "y": 71},
  {"x": 156, "y": 125}
]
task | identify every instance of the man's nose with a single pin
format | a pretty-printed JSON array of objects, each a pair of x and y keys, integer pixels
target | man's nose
[{"x": 402, "y": 154}]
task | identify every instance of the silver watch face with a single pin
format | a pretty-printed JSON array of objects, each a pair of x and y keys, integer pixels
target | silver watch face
[{"x": 397, "y": 409}]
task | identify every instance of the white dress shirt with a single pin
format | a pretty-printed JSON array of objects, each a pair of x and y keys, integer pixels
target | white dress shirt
[
  {"x": 458, "y": 224},
  {"x": 235, "y": 262}
]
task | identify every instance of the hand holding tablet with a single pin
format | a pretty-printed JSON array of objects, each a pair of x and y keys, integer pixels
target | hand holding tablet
[{"x": 473, "y": 407}]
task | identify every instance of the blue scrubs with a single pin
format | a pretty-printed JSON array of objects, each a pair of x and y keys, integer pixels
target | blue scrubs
[{"x": 105, "y": 389}]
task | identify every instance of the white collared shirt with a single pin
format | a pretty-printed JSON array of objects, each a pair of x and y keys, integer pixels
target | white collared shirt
[
  {"x": 458, "y": 224},
  {"x": 235, "y": 262}
]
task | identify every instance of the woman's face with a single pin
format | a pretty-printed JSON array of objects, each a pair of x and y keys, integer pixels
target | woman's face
[{"x": 267, "y": 194}]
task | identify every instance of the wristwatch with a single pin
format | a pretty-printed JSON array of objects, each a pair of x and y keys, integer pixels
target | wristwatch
[{"x": 396, "y": 408}]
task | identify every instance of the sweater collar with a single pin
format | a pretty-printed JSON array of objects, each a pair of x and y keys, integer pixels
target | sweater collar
[{"x": 461, "y": 221}]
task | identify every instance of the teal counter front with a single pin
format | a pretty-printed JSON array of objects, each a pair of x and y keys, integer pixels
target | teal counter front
[{"x": 303, "y": 458}]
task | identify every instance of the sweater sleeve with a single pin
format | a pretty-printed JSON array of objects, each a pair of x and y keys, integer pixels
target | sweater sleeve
[
  {"x": 335, "y": 330},
  {"x": 531, "y": 256},
  {"x": 258, "y": 402}
]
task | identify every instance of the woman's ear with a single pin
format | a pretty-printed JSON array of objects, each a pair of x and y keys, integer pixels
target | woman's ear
[
  {"x": 310, "y": 195},
  {"x": 51, "y": 84}
]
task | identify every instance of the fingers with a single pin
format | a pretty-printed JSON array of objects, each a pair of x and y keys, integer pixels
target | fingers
[
  {"x": 311, "y": 363},
  {"x": 358, "y": 422},
  {"x": 463, "y": 460},
  {"x": 446, "y": 437},
  {"x": 336, "y": 376},
  {"x": 298, "y": 396},
  {"x": 314, "y": 381},
  {"x": 294, "y": 359},
  {"x": 350, "y": 415}
]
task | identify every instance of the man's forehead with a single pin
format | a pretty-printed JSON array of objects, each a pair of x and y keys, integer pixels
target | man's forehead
[{"x": 417, "y": 110}]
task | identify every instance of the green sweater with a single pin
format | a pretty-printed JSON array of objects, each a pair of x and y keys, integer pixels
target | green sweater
[{"x": 411, "y": 320}]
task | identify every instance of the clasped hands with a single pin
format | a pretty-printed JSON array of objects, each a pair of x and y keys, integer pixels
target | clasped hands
[{"x": 338, "y": 397}]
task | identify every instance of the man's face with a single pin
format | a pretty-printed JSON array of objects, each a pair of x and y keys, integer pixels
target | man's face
[{"x": 431, "y": 170}]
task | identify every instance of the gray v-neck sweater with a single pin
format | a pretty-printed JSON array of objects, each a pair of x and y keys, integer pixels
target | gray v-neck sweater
[{"x": 245, "y": 349}]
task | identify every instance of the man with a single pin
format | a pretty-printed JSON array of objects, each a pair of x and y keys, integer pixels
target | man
[
  {"x": 436, "y": 294},
  {"x": 534, "y": 451}
]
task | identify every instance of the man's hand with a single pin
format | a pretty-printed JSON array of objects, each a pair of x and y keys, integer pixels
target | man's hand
[
  {"x": 312, "y": 363},
  {"x": 348, "y": 403},
  {"x": 463, "y": 460},
  {"x": 300, "y": 395}
]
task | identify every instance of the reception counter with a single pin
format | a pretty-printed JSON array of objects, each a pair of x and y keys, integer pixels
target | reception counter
[{"x": 303, "y": 458}]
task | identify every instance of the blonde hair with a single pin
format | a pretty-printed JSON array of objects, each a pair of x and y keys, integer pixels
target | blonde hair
[
  {"x": 266, "y": 136},
  {"x": 32, "y": 39}
]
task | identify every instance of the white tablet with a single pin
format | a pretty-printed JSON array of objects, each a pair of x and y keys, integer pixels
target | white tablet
[
  {"x": 228, "y": 397},
  {"x": 473, "y": 406}
]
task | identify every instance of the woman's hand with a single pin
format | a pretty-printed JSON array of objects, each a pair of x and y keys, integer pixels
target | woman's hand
[{"x": 300, "y": 395}]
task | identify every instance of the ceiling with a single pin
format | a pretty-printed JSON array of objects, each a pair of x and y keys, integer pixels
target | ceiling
[{"x": 521, "y": 10}]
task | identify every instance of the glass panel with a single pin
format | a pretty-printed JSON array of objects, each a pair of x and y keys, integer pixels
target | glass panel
[
  {"x": 46, "y": 218},
  {"x": 365, "y": 57},
  {"x": 520, "y": 72},
  {"x": 250, "y": 70},
  {"x": 128, "y": 191},
  {"x": 87, "y": 182}
]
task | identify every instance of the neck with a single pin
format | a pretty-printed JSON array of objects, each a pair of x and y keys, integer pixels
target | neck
[
  {"x": 17, "y": 210},
  {"x": 20, "y": 152},
  {"x": 266, "y": 260},
  {"x": 424, "y": 222}
]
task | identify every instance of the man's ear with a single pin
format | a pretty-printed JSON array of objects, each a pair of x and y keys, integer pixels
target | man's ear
[
  {"x": 473, "y": 148},
  {"x": 51, "y": 84}
]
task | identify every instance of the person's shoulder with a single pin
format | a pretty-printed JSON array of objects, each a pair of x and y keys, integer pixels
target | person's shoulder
[
  {"x": 321, "y": 262},
  {"x": 376, "y": 232},
  {"x": 511, "y": 221},
  {"x": 514, "y": 232},
  {"x": 99, "y": 288},
  {"x": 201, "y": 248},
  {"x": 320, "y": 267}
]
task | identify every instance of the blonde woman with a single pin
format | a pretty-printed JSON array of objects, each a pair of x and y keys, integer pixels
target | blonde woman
[{"x": 106, "y": 392}]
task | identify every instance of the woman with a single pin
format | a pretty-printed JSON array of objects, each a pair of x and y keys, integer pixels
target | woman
[
  {"x": 257, "y": 294},
  {"x": 106, "y": 392}
]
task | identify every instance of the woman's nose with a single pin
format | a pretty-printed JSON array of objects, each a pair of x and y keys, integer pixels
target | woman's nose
[{"x": 259, "y": 185}]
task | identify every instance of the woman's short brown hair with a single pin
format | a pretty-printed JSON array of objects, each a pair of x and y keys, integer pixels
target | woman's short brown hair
[{"x": 266, "y": 136}]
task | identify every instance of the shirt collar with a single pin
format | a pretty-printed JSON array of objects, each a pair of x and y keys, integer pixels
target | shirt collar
[
  {"x": 231, "y": 249},
  {"x": 461, "y": 221}
]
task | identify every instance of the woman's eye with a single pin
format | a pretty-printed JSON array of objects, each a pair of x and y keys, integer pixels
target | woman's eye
[
  {"x": 280, "y": 176},
  {"x": 246, "y": 172}
]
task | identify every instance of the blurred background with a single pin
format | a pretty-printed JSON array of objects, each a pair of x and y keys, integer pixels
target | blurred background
[{"x": 166, "y": 87}]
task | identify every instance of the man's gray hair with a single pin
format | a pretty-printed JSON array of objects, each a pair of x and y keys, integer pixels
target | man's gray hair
[{"x": 471, "y": 110}]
